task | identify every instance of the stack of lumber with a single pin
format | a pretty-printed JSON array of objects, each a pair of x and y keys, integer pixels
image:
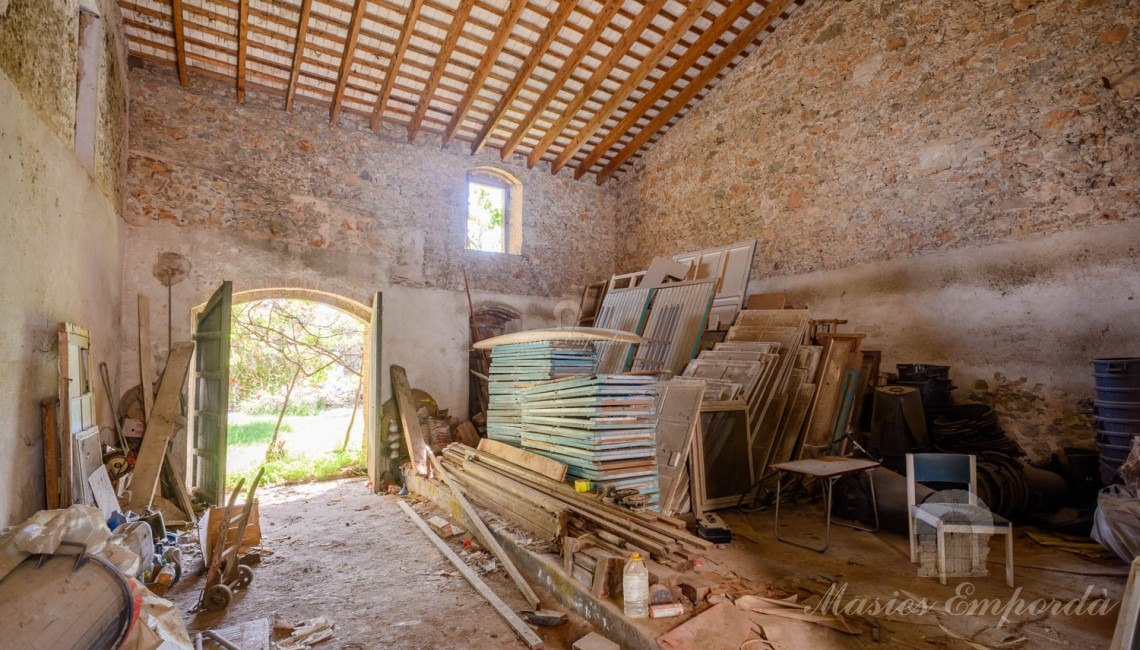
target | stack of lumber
[
  {"x": 553, "y": 510},
  {"x": 518, "y": 366},
  {"x": 603, "y": 427}
]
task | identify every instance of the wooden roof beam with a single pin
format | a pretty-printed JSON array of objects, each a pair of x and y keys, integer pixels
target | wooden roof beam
[
  {"x": 588, "y": 40},
  {"x": 179, "y": 40},
  {"x": 242, "y": 44},
  {"x": 693, "y": 54},
  {"x": 541, "y": 47},
  {"x": 749, "y": 34},
  {"x": 298, "y": 52},
  {"x": 676, "y": 32},
  {"x": 396, "y": 61},
  {"x": 502, "y": 33},
  {"x": 449, "y": 43},
  {"x": 346, "y": 58},
  {"x": 632, "y": 34}
]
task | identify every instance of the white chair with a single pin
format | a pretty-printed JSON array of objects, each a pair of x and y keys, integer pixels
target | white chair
[{"x": 952, "y": 518}]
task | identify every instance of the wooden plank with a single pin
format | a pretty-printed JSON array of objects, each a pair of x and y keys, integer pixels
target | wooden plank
[
  {"x": 520, "y": 627},
  {"x": 146, "y": 370},
  {"x": 837, "y": 357},
  {"x": 242, "y": 46},
  {"x": 532, "y": 461},
  {"x": 346, "y": 58},
  {"x": 441, "y": 61},
  {"x": 375, "y": 436},
  {"x": 630, "y": 36},
  {"x": 541, "y": 46},
  {"x": 397, "y": 60},
  {"x": 410, "y": 420},
  {"x": 568, "y": 67},
  {"x": 627, "y": 87},
  {"x": 1127, "y": 634},
  {"x": 494, "y": 48},
  {"x": 179, "y": 41},
  {"x": 49, "y": 409},
  {"x": 298, "y": 52},
  {"x": 766, "y": 301},
  {"x": 174, "y": 477},
  {"x": 682, "y": 99},
  {"x": 160, "y": 427},
  {"x": 484, "y": 533}
]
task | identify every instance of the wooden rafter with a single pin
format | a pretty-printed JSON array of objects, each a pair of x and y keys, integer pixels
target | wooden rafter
[
  {"x": 541, "y": 46},
  {"x": 179, "y": 40},
  {"x": 298, "y": 52},
  {"x": 631, "y": 35},
  {"x": 242, "y": 45},
  {"x": 760, "y": 23},
  {"x": 346, "y": 58},
  {"x": 502, "y": 33},
  {"x": 396, "y": 61},
  {"x": 667, "y": 43},
  {"x": 675, "y": 73},
  {"x": 453, "y": 33},
  {"x": 599, "y": 25}
]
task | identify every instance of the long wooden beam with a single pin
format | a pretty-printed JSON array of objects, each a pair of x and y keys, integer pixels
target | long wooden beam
[
  {"x": 691, "y": 56},
  {"x": 449, "y": 42},
  {"x": 498, "y": 42},
  {"x": 541, "y": 47},
  {"x": 179, "y": 40},
  {"x": 579, "y": 53},
  {"x": 396, "y": 61},
  {"x": 242, "y": 44},
  {"x": 346, "y": 59},
  {"x": 749, "y": 34},
  {"x": 631, "y": 35},
  {"x": 298, "y": 52},
  {"x": 676, "y": 32}
]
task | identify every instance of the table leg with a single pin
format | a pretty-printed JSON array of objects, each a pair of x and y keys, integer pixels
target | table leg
[
  {"x": 874, "y": 509},
  {"x": 827, "y": 482}
]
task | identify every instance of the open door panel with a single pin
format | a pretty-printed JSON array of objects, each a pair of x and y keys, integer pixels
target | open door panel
[{"x": 209, "y": 395}]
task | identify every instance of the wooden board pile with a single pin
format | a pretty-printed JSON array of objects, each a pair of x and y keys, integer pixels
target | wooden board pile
[
  {"x": 552, "y": 510},
  {"x": 518, "y": 366},
  {"x": 603, "y": 427}
]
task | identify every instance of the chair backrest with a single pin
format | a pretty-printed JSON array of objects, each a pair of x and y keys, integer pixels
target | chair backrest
[{"x": 941, "y": 468}]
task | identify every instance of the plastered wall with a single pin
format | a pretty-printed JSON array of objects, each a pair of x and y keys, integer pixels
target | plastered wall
[{"x": 60, "y": 230}]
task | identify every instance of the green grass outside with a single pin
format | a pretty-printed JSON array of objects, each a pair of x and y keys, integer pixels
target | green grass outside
[{"x": 311, "y": 445}]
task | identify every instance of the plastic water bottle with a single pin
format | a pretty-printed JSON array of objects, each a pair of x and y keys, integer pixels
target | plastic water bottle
[{"x": 635, "y": 587}]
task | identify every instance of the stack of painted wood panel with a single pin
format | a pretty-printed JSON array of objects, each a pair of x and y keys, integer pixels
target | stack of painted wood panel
[
  {"x": 603, "y": 427},
  {"x": 519, "y": 366}
]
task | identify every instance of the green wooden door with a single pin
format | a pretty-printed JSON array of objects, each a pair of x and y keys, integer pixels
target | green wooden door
[
  {"x": 209, "y": 395},
  {"x": 377, "y": 448}
]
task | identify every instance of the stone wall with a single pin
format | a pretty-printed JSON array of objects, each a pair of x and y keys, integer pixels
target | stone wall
[
  {"x": 60, "y": 232},
  {"x": 201, "y": 161},
  {"x": 867, "y": 135}
]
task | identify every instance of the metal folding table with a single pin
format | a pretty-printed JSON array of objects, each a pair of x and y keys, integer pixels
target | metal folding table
[{"x": 828, "y": 469}]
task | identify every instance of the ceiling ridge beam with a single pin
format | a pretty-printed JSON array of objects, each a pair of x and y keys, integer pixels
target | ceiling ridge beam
[
  {"x": 632, "y": 34},
  {"x": 746, "y": 37},
  {"x": 541, "y": 47},
  {"x": 298, "y": 52},
  {"x": 601, "y": 22},
  {"x": 693, "y": 54},
  {"x": 676, "y": 32},
  {"x": 395, "y": 62},
  {"x": 179, "y": 40},
  {"x": 502, "y": 33},
  {"x": 347, "y": 58},
  {"x": 441, "y": 62},
  {"x": 242, "y": 43}
]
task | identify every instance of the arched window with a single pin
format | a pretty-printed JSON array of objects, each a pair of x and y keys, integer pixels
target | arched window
[{"x": 494, "y": 211}]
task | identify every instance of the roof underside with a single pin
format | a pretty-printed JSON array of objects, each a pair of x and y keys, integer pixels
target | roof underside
[{"x": 585, "y": 84}]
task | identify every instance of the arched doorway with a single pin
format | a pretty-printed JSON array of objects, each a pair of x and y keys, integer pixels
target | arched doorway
[{"x": 212, "y": 381}]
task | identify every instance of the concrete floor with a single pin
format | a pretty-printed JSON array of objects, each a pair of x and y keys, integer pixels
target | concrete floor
[{"x": 341, "y": 552}]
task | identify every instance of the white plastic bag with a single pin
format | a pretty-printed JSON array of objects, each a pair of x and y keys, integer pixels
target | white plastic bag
[{"x": 1116, "y": 524}]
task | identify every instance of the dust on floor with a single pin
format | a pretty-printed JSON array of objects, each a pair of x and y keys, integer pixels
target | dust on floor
[{"x": 334, "y": 549}]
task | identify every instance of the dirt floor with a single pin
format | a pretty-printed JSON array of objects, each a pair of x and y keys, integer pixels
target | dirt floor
[{"x": 334, "y": 549}]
